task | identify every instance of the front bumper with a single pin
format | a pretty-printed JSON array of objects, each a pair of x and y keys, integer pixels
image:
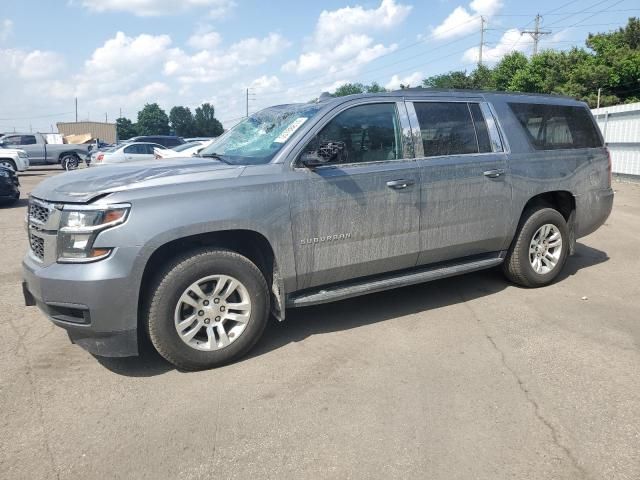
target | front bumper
[{"x": 97, "y": 303}]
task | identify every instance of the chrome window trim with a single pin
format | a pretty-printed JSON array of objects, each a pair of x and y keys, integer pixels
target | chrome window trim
[{"x": 497, "y": 144}]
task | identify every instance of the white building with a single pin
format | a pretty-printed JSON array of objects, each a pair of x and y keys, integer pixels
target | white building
[{"x": 620, "y": 126}]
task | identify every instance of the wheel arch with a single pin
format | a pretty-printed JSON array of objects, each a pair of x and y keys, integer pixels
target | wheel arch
[
  {"x": 561, "y": 200},
  {"x": 68, "y": 152},
  {"x": 250, "y": 243}
]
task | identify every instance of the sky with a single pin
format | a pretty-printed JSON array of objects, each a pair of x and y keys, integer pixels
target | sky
[{"x": 116, "y": 55}]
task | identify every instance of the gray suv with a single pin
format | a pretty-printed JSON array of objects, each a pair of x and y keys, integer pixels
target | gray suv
[{"x": 309, "y": 203}]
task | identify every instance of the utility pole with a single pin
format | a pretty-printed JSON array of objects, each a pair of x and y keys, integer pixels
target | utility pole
[
  {"x": 482, "y": 23},
  {"x": 120, "y": 112},
  {"x": 248, "y": 92},
  {"x": 536, "y": 33},
  {"x": 599, "y": 91},
  {"x": 76, "y": 109},
  {"x": 106, "y": 119}
]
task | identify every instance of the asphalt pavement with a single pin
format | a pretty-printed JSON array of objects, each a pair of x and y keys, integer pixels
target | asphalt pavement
[{"x": 464, "y": 378}]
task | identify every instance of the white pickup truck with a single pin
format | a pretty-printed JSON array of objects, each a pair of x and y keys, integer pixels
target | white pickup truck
[
  {"x": 43, "y": 153},
  {"x": 15, "y": 159}
]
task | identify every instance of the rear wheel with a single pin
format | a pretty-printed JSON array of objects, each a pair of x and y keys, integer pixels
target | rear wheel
[
  {"x": 539, "y": 250},
  {"x": 208, "y": 308},
  {"x": 70, "y": 162}
]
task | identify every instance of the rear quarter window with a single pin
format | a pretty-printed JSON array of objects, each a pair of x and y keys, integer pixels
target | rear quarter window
[{"x": 552, "y": 127}]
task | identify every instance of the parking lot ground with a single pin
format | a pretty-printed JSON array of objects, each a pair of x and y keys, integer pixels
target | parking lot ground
[{"x": 468, "y": 377}]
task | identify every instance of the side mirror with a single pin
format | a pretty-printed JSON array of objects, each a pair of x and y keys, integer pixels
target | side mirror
[
  {"x": 312, "y": 160},
  {"x": 328, "y": 152}
]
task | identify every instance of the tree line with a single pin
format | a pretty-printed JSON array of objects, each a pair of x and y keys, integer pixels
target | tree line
[
  {"x": 610, "y": 62},
  {"x": 153, "y": 120}
]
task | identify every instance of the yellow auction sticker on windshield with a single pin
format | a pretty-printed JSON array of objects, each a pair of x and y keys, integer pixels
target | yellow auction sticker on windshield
[{"x": 287, "y": 132}]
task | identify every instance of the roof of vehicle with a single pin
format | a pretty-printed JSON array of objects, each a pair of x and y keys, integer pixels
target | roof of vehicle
[
  {"x": 437, "y": 92},
  {"x": 128, "y": 144},
  {"x": 154, "y": 136}
]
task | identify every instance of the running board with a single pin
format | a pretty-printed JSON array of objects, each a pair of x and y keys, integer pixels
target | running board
[{"x": 388, "y": 282}]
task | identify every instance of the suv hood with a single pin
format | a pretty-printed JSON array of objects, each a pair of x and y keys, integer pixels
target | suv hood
[{"x": 82, "y": 186}]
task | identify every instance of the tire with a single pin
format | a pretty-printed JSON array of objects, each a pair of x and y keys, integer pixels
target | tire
[
  {"x": 219, "y": 339},
  {"x": 69, "y": 162},
  {"x": 520, "y": 265},
  {"x": 9, "y": 164}
]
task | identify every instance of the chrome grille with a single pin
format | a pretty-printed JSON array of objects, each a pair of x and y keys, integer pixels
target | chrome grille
[
  {"x": 38, "y": 212},
  {"x": 37, "y": 246}
]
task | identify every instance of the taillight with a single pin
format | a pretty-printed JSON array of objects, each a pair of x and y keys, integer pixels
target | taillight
[
  {"x": 100, "y": 158},
  {"x": 609, "y": 166}
]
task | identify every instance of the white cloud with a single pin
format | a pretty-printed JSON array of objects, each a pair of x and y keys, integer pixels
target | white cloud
[
  {"x": 39, "y": 64},
  {"x": 215, "y": 65},
  {"x": 413, "y": 80},
  {"x": 6, "y": 29},
  {"x": 342, "y": 41},
  {"x": 510, "y": 41},
  {"x": 205, "y": 40},
  {"x": 147, "y": 8},
  {"x": 33, "y": 65},
  {"x": 333, "y": 25},
  {"x": 462, "y": 21},
  {"x": 265, "y": 83}
]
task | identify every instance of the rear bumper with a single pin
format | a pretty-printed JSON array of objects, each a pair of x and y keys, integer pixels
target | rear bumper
[
  {"x": 592, "y": 210},
  {"x": 94, "y": 302}
]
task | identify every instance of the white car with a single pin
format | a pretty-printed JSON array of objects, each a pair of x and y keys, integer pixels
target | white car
[
  {"x": 15, "y": 159},
  {"x": 185, "y": 150},
  {"x": 127, "y": 152}
]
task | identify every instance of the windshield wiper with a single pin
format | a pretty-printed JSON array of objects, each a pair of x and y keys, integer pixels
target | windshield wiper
[{"x": 216, "y": 156}]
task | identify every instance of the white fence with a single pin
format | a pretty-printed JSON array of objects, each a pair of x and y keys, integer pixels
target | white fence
[{"x": 620, "y": 126}]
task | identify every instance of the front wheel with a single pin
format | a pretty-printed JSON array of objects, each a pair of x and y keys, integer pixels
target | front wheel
[
  {"x": 208, "y": 308},
  {"x": 539, "y": 250},
  {"x": 9, "y": 164}
]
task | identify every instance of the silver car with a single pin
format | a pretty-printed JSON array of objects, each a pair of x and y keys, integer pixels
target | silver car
[{"x": 128, "y": 152}]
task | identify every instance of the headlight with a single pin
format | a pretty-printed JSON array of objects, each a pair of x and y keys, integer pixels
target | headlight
[{"x": 79, "y": 228}]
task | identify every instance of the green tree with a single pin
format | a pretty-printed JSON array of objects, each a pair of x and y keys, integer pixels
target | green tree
[
  {"x": 457, "y": 79},
  {"x": 182, "y": 121},
  {"x": 206, "y": 123},
  {"x": 507, "y": 68},
  {"x": 375, "y": 88},
  {"x": 349, "y": 89},
  {"x": 152, "y": 120},
  {"x": 125, "y": 128}
]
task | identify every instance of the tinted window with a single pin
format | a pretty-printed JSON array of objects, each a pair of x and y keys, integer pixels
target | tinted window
[
  {"x": 367, "y": 133},
  {"x": 484, "y": 144},
  {"x": 28, "y": 140},
  {"x": 13, "y": 140},
  {"x": 550, "y": 127},
  {"x": 446, "y": 128},
  {"x": 171, "y": 142}
]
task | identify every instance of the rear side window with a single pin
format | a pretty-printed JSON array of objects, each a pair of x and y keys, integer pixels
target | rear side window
[
  {"x": 551, "y": 127},
  {"x": 446, "y": 128},
  {"x": 135, "y": 149},
  {"x": 28, "y": 140}
]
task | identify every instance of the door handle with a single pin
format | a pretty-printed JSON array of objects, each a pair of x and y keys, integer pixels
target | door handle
[
  {"x": 399, "y": 184},
  {"x": 495, "y": 173}
]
